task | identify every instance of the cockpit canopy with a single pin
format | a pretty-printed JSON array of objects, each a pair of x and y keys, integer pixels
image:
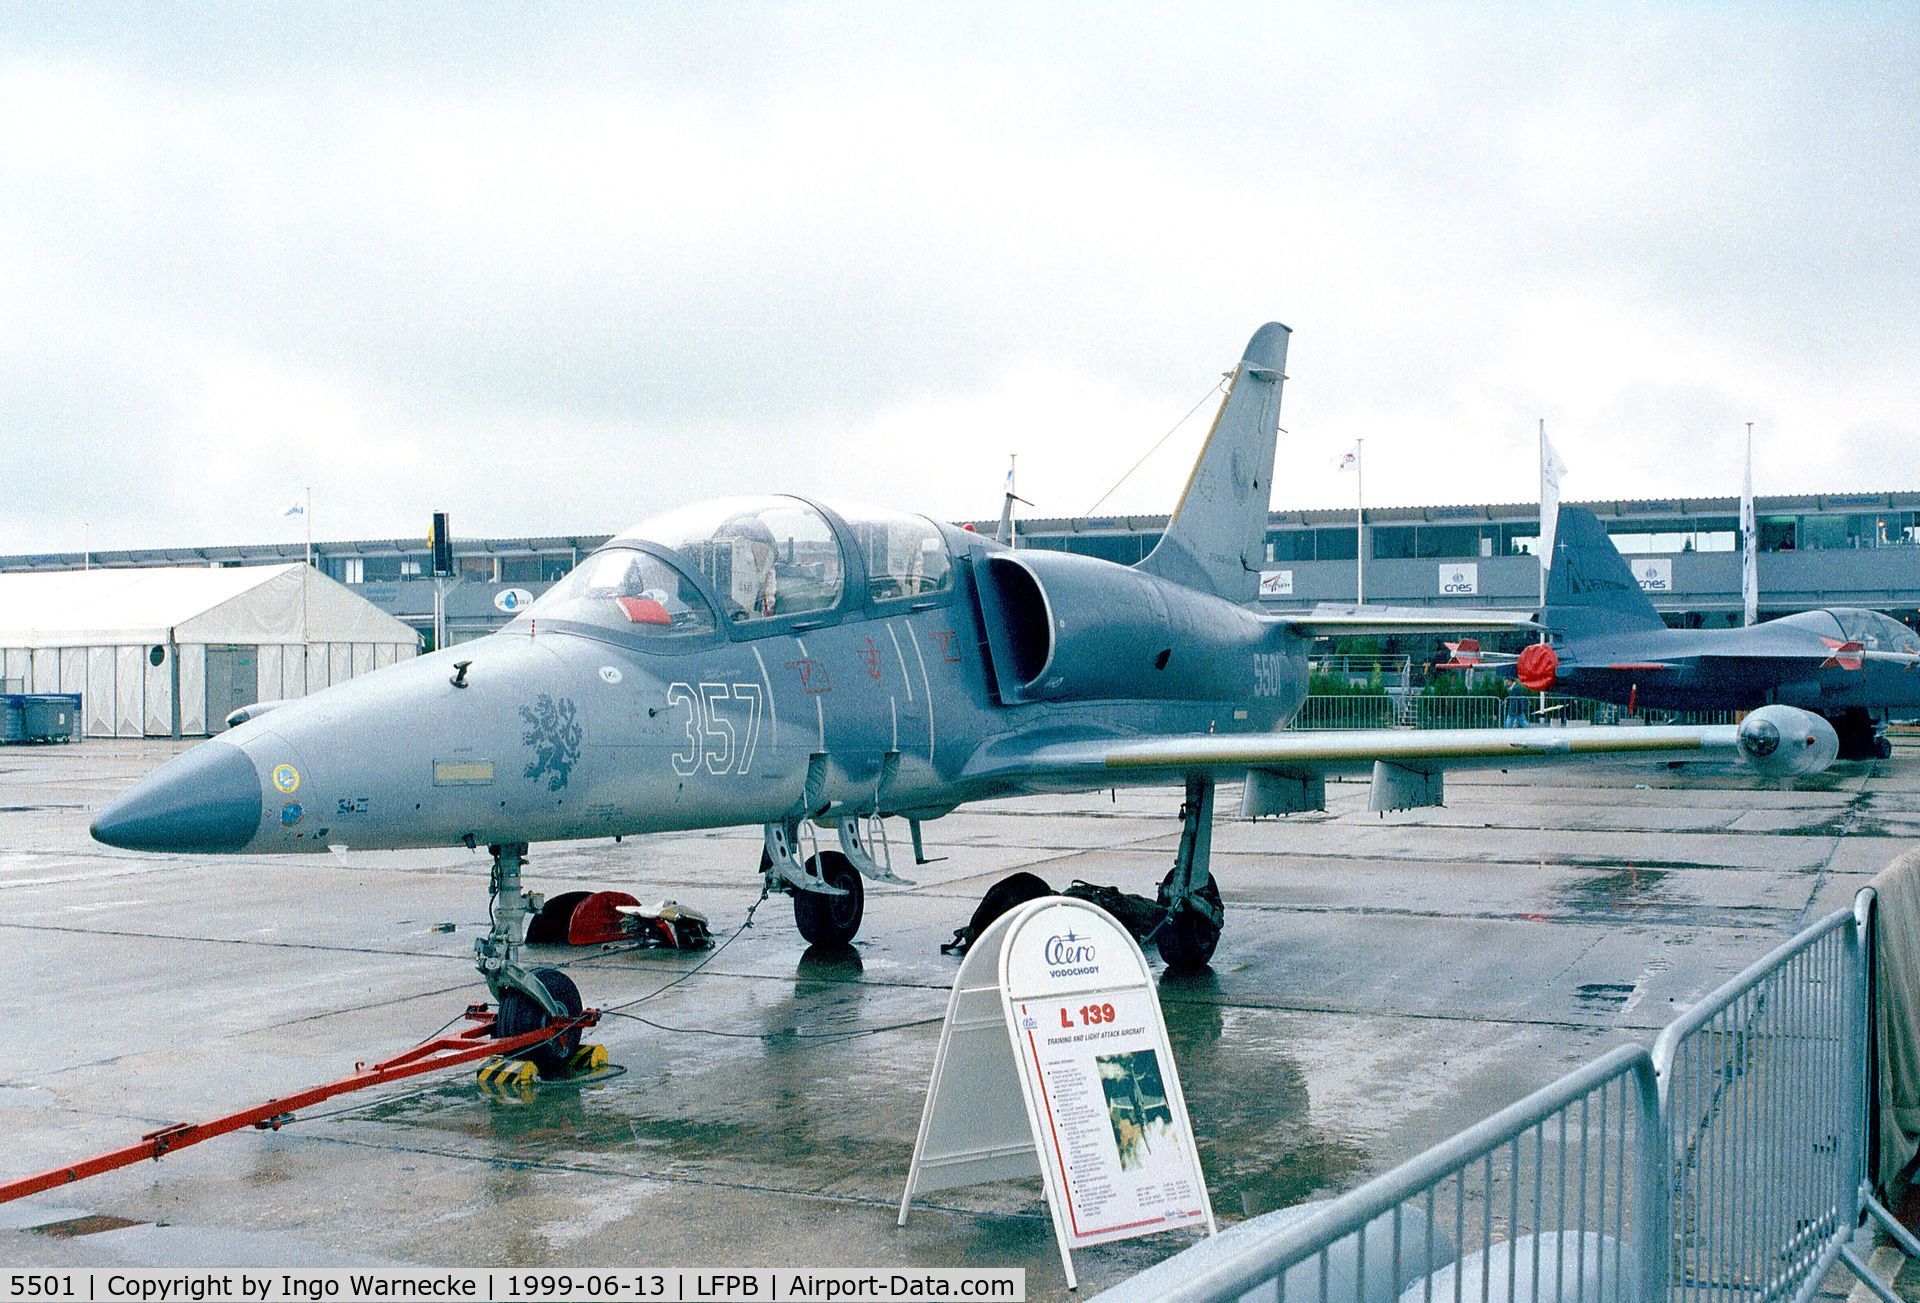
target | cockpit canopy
[
  {"x": 1872, "y": 630},
  {"x": 905, "y": 555},
  {"x": 763, "y": 558}
]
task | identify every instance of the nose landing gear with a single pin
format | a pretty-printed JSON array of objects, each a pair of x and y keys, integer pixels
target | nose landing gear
[{"x": 529, "y": 998}]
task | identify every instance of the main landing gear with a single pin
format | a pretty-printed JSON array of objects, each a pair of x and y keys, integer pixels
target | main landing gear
[
  {"x": 529, "y": 998},
  {"x": 1189, "y": 895},
  {"x": 829, "y": 899},
  {"x": 1859, "y": 738}
]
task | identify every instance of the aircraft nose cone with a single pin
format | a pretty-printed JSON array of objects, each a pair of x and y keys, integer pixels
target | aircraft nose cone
[{"x": 206, "y": 800}]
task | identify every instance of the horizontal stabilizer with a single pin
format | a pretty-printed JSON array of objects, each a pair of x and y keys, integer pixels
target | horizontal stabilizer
[{"x": 1336, "y": 621}]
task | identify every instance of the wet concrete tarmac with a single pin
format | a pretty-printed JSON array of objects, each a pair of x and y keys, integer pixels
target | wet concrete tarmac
[{"x": 1382, "y": 984}]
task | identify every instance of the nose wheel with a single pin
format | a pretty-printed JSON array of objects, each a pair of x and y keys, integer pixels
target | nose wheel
[
  {"x": 521, "y": 1013},
  {"x": 830, "y": 920},
  {"x": 528, "y": 998}
]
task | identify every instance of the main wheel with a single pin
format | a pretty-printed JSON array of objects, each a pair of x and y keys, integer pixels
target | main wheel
[
  {"x": 1188, "y": 937},
  {"x": 520, "y": 1012},
  {"x": 1883, "y": 747},
  {"x": 831, "y": 920}
]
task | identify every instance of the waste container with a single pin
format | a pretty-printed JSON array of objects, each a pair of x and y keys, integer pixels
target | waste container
[
  {"x": 13, "y": 720},
  {"x": 50, "y": 717}
]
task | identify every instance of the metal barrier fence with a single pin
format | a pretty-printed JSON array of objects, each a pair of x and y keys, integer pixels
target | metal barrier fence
[
  {"x": 1764, "y": 1088},
  {"x": 1475, "y": 710},
  {"x": 1727, "y": 1164},
  {"x": 1551, "y": 1189}
]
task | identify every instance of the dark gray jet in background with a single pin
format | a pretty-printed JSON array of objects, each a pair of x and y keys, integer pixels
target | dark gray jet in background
[
  {"x": 1848, "y": 665},
  {"x": 816, "y": 669}
]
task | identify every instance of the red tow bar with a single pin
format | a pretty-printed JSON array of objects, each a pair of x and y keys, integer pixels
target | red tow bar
[{"x": 447, "y": 1050}]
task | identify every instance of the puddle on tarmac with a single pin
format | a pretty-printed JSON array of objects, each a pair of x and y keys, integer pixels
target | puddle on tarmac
[
  {"x": 1622, "y": 889},
  {"x": 1252, "y": 1114},
  {"x": 1605, "y": 995},
  {"x": 792, "y": 1109}
]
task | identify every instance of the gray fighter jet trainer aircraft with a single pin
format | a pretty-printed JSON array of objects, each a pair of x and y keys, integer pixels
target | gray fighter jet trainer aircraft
[
  {"x": 1607, "y": 641},
  {"x": 806, "y": 667}
]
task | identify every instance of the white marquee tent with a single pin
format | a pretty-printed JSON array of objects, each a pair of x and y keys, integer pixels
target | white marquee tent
[{"x": 168, "y": 652}]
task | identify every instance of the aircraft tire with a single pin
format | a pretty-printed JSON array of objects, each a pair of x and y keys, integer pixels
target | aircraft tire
[
  {"x": 1883, "y": 747},
  {"x": 831, "y": 920},
  {"x": 1188, "y": 938},
  {"x": 520, "y": 1013}
]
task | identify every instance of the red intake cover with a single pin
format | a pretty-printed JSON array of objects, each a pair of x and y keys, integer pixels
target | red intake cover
[{"x": 1537, "y": 667}]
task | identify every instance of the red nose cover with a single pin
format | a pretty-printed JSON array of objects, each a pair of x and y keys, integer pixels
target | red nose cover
[{"x": 1536, "y": 667}]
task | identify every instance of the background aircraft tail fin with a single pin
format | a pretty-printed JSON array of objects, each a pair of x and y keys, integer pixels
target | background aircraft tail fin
[
  {"x": 1590, "y": 589},
  {"x": 1217, "y": 537}
]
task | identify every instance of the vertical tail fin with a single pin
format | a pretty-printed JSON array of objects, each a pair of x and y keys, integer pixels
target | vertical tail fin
[
  {"x": 1216, "y": 538},
  {"x": 1590, "y": 589}
]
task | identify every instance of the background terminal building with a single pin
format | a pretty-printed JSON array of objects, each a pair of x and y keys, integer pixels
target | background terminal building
[{"x": 1833, "y": 549}]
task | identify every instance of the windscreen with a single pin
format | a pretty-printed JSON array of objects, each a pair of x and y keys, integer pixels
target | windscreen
[{"x": 626, "y": 589}]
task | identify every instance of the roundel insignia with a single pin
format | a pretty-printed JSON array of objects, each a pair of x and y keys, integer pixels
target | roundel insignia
[
  {"x": 286, "y": 778},
  {"x": 610, "y": 674},
  {"x": 290, "y": 814}
]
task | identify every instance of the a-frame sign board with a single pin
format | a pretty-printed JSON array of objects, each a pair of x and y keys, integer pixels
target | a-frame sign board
[{"x": 1054, "y": 1063}]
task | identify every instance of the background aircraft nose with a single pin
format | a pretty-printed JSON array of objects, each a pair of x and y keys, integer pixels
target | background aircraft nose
[{"x": 205, "y": 800}]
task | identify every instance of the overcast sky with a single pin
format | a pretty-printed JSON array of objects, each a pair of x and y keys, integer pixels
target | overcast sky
[{"x": 554, "y": 268}]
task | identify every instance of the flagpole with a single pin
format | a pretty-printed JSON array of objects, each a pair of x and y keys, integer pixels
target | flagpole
[
  {"x": 306, "y": 630},
  {"x": 1545, "y": 560},
  {"x": 1749, "y": 545},
  {"x": 1359, "y": 524}
]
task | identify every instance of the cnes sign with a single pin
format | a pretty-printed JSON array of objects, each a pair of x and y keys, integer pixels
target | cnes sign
[
  {"x": 1459, "y": 579},
  {"x": 1654, "y": 574}
]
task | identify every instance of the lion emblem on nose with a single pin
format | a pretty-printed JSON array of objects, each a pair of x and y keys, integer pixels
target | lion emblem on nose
[{"x": 554, "y": 734}]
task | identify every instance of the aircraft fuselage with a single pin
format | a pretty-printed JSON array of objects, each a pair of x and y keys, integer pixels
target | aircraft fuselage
[{"x": 561, "y": 731}]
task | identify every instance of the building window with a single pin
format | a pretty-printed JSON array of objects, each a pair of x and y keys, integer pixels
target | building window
[
  {"x": 1290, "y": 545},
  {"x": 1122, "y": 548},
  {"x": 1393, "y": 542},
  {"x": 1334, "y": 545},
  {"x": 1827, "y": 533},
  {"x": 1447, "y": 541}
]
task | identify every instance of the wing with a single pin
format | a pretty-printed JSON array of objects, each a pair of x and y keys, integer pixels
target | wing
[
  {"x": 1287, "y": 772},
  {"x": 1337, "y": 621}
]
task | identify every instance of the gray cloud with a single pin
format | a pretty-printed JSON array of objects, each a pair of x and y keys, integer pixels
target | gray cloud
[{"x": 557, "y": 267}]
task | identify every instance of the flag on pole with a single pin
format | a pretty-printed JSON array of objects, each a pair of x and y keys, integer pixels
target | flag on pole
[
  {"x": 1348, "y": 459},
  {"x": 1551, "y": 469},
  {"x": 295, "y": 510},
  {"x": 1749, "y": 543}
]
